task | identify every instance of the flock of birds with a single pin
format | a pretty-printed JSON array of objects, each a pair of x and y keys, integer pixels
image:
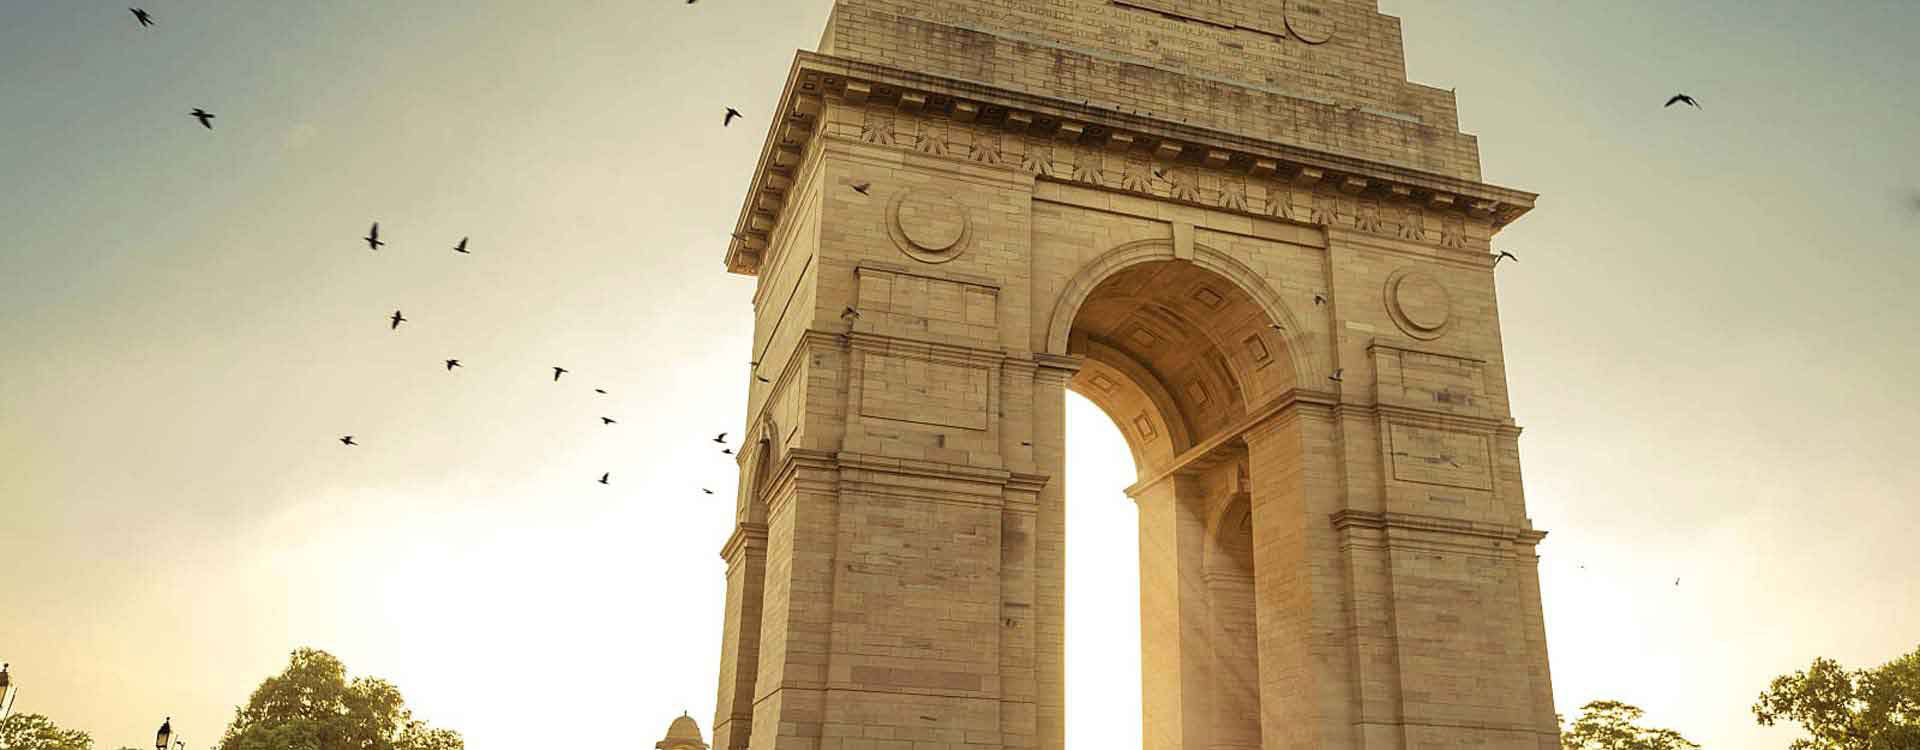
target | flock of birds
[{"x": 375, "y": 243}]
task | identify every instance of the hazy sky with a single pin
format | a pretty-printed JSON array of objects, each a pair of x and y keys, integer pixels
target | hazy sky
[{"x": 1711, "y": 336}]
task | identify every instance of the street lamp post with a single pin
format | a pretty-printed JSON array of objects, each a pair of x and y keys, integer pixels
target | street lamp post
[{"x": 6, "y": 692}]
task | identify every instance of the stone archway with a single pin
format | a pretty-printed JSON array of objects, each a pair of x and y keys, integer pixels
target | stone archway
[
  {"x": 1288, "y": 307},
  {"x": 1165, "y": 353}
]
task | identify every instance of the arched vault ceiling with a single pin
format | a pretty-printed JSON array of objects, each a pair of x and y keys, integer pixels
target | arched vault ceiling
[{"x": 1208, "y": 345}]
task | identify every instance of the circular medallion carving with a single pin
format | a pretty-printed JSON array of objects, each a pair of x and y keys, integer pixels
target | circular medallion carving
[
  {"x": 1418, "y": 304},
  {"x": 929, "y": 225},
  {"x": 1310, "y": 21}
]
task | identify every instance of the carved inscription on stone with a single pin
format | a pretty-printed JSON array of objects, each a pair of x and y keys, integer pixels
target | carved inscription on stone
[
  {"x": 918, "y": 304},
  {"x": 1443, "y": 457},
  {"x": 907, "y": 388}
]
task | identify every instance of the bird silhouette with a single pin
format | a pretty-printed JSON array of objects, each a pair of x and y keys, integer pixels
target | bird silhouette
[
  {"x": 720, "y": 438},
  {"x": 557, "y": 372},
  {"x": 347, "y": 440},
  {"x": 1676, "y": 582},
  {"x": 728, "y": 451},
  {"x": 708, "y": 491},
  {"x": 1335, "y": 377},
  {"x": 606, "y": 420},
  {"x": 141, "y": 15},
  {"x": 452, "y": 363},
  {"x": 761, "y": 378},
  {"x": 603, "y": 477},
  {"x": 397, "y": 320},
  {"x": 1504, "y": 255},
  {"x": 373, "y": 237},
  {"x": 1683, "y": 99},
  {"x": 601, "y": 391},
  {"x": 462, "y": 247},
  {"x": 728, "y": 120},
  {"x": 1319, "y": 300},
  {"x": 205, "y": 117},
  {"x": 849, "y": 314},
  {"x": 861, "y": 187}
]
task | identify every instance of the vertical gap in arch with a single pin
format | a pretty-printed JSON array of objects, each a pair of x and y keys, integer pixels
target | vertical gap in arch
[{"x": 1103, "y": 584}]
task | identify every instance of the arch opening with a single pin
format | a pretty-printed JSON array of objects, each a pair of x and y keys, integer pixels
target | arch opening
[
  {"x": 1103, "y": 671},
  {"x": 1174, "y": 354}
]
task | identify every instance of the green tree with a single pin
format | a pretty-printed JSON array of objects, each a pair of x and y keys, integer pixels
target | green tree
[
  {"x": 1867, "y": 709},
  {"x": 36, "y": 732},
  {"x": 1610, "y": 725},
  {"x": 312, "y": 706}
]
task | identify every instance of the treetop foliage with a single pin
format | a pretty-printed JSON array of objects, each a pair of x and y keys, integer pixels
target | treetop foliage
[
  {"x": 313, "y": 706},
  {"x": 1867, "y": 709},
  {"x": 1611, "y": 725}
]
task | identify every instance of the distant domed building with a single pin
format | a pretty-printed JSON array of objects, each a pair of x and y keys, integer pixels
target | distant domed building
[{"x": 683, "y": 734}]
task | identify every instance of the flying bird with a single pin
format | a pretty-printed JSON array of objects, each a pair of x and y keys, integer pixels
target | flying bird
[
  {"x": 728, "y": 451},
  {"x": 462, "y": 247},
  {"x": 141, "y": 15},
  {"x": 761, "y": 378},
  {"x": 606, "y": 420},
  {"x": 849, "y": 314},
  {"x": 1676, "y": 582},
  {"x": 205, "y": 117},
  {"x": 452, "y": 363},
  {"x": 720, "y": 438},
  {"x": 1683, "y": 99},
  {"x": 1319, "y": 300},
  {"x": 373, "y": 237},
  {"x": 601, "y": 391},
  {"x": 603, "y": 477},
  {"x": 708, "y": 491},
  {"x": 728, "y": 120},
  {"x": 397, "y": 320},
  {"x": 1335, "y": 377},
  {"x": 1504, "y": 255},
  {"x": 557, "y": 372},
  {"x": 347, "y": 440},
  {"x": 861, "y": 187}
]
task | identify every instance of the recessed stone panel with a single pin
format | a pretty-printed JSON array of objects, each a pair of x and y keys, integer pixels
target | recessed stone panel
[
  {"x": 1444, "y": 457},
  {"x": 915, "y": 389},
  {"x": 1257, "y": 349}
]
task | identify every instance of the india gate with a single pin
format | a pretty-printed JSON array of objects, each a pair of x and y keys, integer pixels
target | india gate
[{"x": 1237, "y": 228}]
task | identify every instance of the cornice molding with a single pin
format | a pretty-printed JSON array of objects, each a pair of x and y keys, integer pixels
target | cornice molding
[
  {"x": 1388, "y": 522},
  {"x": 745, "y": 538},
  {"x": 1363, "y": 187}
]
